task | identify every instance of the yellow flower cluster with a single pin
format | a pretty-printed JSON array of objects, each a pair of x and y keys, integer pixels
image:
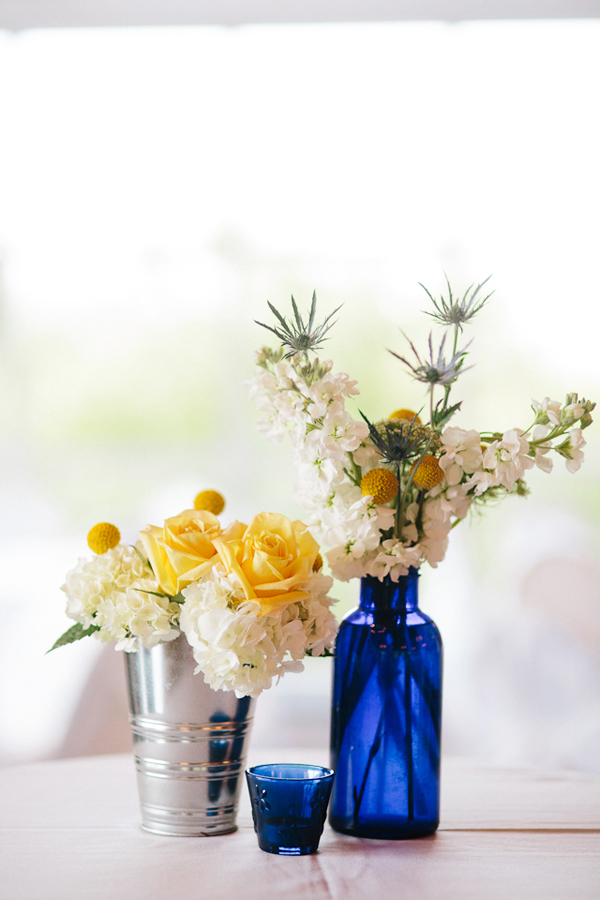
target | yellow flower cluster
[
  {"x": 407, "y": 415},
  {"x": 381, "y": 484},
  {"x": 103, "y": 537},
  {"x": 428, "y": 474},
  {"x": 210, "y": 501}
]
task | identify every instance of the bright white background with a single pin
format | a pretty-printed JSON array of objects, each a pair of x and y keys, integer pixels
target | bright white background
[{"x": 159, "y": 185}]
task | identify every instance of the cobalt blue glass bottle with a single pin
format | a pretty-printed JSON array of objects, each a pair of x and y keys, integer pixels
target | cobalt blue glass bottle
[{"x": 386, "y": 715}]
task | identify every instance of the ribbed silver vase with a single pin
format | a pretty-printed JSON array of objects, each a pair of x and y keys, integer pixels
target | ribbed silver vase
[{"x": 189, "y": 743}]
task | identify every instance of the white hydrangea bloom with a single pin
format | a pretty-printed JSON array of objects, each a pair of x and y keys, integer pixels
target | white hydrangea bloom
[
  {"x": 114, "y": 591},
  {"x": 237, "y": 648}
]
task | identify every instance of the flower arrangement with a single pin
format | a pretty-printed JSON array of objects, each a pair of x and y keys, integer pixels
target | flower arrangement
[
  {"x": 252, "y": 600},
  {"x": 385, "y": 495}
]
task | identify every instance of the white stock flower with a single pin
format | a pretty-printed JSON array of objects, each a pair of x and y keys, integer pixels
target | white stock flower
[
  {"x": 548, "y": 411},
  {"x": 344, "y": 566},
  {"x": 434, "y": 542},
  {"x": 340, "y": 434},
  {"x": 443, "y": 503},
  {"x": 352, "y": 521},
  {"x": 571, "y": 450},
  {"x": 541, "y": 460},
  {"x": 573, "y": 412},
  {"x": 367, "y": 456},
  {"x": 315, "y": 466},
  {"x": 327, "y": 394},
  {"x": 507, "y": 459},
  {"x": 272, "y": 427},
  {"x": 279, "y": 396},
  {"x": 395, "y": 559},
  {"x": 461, "y": 453}
]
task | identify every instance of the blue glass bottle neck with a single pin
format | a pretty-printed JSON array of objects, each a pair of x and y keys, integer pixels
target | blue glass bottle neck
[{"x": 397, "y": 596}]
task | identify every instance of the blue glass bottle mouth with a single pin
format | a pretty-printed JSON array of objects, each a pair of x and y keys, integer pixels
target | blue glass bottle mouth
[{"x": 290, "y": 772}]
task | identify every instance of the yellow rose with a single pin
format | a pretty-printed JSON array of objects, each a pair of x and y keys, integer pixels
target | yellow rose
[
  {"x": 270, "y": 559},
  {"x": 182, "y": 551}
]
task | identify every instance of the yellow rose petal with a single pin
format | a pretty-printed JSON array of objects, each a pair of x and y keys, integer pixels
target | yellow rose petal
[
  {"x": 183, "y": 550},
  {"x": 270, "y": 560}
]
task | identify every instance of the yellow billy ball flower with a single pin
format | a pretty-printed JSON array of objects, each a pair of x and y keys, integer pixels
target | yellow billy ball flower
[
  {"x": 210, "y": 501},
  {"x": 428, "y": 474},
  {"x": 407, "y": 414},
  {"x": 381, "y": 484},
  {"x": 103, "y": 537}
]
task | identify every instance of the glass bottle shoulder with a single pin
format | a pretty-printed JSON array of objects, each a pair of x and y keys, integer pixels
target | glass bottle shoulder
[{"x": 360, "y": 617}]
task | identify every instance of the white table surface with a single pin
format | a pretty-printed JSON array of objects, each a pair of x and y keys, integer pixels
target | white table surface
[{"x": 69, "y": 830}]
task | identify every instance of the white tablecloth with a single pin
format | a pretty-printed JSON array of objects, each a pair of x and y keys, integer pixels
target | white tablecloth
[{"x": 69, "y": 830}]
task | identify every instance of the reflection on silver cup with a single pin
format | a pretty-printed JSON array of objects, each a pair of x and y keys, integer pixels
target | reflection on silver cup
[{"x": 189, "y": 743}]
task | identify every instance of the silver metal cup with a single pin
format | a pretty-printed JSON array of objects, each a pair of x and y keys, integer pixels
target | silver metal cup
[{"x": 189, "y": 743}]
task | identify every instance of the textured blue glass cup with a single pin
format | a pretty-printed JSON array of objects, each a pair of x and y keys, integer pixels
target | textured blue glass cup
[
  {"x": 289, "y": 805},
  {"x": 386, "y": 715}
]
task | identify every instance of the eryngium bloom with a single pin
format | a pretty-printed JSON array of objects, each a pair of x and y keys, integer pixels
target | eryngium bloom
[
  {"x": 398, "y": 440},
  {"x": 298, "y": 335},
  {"x": 432, "y": 370},
  {"x": 457, "y": 313}
]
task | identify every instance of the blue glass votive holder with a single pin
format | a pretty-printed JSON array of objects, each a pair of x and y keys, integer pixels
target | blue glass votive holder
[{"x": 289, "y": 805}]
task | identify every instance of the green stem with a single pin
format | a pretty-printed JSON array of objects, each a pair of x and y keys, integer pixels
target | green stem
[
  {"x": 358, "y": 797},
  {"x": 455, "y": 341},
  {"x": 408, "y": 720},
  {"x": 356, "y": 469},
  {"x": 556, "y": 432},
  {"x": 419, "y": 518},
  {"x": 398, "y": 504}
]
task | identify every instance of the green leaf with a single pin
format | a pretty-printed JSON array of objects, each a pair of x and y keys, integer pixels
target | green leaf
[
  {"x": 142, "y": 557},
  {"x": 178, "y": 598},
  {"x": 325, "y": 653},
  {"x": 313, "y": 310},
  {"x": 297, "y": 316},
  {"x": 278, "y": 334},
  {"x": 278, "y": 315},
  {"x": 441, "y": 418},
  {"x": 75, "y": 633}
]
